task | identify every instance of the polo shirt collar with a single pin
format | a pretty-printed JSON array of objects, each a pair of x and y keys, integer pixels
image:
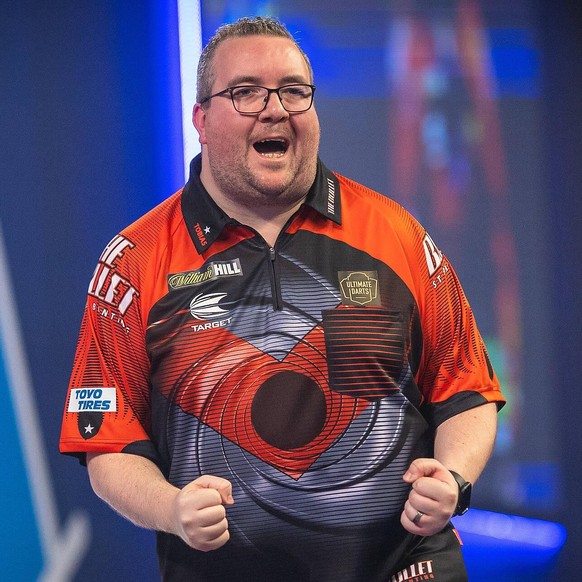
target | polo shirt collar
[{"x": 205, "y": 219}]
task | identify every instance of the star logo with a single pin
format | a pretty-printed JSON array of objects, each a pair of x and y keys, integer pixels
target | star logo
[
  {"x": 206, "y": 230},
  {"x": 89, "y": 424}
]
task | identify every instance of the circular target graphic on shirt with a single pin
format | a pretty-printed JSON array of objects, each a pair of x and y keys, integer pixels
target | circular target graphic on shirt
[
  {"x": 289, "y": 441},
  {"x": 307, "y": 418}
]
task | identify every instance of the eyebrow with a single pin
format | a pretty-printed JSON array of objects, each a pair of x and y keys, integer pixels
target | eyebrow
[{"x": 248, "y": 79}]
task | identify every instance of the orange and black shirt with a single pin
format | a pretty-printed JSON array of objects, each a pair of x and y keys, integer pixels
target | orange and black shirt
[{"x": 309, "y": 374}]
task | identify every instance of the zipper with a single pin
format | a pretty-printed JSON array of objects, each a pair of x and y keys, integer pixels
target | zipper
[
  {"x": 277, "y": 297},
  {"x": 274, "y": 270},
  {"x": 275, "y": 280}
]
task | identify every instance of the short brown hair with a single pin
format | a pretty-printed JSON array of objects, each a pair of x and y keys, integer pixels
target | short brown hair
[{"x": 257, "y": 26}]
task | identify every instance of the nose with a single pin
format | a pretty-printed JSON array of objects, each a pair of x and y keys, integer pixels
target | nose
[{"x": 274, "y": 109}]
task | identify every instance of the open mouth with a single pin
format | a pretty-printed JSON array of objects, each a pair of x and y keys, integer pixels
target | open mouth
[{"x": 271, "y": 148}]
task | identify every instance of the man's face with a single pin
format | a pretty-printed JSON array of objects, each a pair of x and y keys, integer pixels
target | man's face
[{"x": 266, "y": 159}]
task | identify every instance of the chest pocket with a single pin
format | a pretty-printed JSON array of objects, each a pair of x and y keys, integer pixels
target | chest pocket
[{"x": 365, "y": 351}]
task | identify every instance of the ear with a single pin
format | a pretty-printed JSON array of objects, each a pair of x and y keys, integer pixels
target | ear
[{"x": 199, "y": 121}]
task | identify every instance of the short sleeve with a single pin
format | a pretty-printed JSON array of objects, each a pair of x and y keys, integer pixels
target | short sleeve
[
  {"x": 455, "y": 373},
  {"x": 107, "y": 404}
]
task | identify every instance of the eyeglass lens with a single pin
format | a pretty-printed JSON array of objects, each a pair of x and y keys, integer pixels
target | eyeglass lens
[{"x": 253, "y": 99}]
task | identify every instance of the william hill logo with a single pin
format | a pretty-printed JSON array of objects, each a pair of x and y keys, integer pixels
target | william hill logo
[
  {"x": 214, "y": 270},
  {"x": 359, "y": 287}
]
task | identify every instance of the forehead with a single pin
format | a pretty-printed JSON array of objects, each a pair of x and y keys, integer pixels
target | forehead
[{"x": 259, "y": 59}]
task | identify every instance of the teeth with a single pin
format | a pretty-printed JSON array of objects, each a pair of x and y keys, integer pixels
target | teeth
[
  {"x": 266, "y": 147},
  {"x": 271, "y": 140}
]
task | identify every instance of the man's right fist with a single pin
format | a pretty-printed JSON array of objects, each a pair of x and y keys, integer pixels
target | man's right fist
[{"x": 200, "y": 513}]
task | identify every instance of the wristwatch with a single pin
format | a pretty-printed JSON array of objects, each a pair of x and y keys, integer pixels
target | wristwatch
[{"x": 465, "y": 489}]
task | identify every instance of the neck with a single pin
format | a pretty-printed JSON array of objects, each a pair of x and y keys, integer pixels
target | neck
[
  {"x": 268, "y": 218},
  {"x": 268, "y": 221}
]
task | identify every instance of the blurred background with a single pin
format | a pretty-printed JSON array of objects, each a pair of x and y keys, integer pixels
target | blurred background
[{"x": 468, "y": 112}]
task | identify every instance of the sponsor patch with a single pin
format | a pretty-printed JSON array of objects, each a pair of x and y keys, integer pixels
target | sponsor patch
[
  {"x": 434, "y": 257},
  {"x": 89, "y": 424},
  {"x": 107, "y": 284},
  {"x": 359, "y": 288},
  {"x": 93, "y": 400},
  {"x": 213, "y": 270},
  {"x": 207, "y": 307},
  {"x": 415, "y": 572}
]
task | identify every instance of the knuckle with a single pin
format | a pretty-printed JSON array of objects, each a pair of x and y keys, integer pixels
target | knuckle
[{"x": 205, "y": 546}]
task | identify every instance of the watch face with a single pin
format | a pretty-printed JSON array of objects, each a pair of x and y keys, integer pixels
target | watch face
[
  {"x": 465, "y": 489},
  {"x": 464, "y": 498}
]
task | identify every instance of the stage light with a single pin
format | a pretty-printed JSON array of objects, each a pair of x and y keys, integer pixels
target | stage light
[{"x": 190, "y": 39}]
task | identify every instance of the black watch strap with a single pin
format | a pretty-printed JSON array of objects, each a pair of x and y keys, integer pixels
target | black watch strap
[{"x": 465, "y": 489}]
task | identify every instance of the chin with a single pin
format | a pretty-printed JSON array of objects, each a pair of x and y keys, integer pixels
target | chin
[
  {"x": 286, "y": 185},
  {"x": 283, "y": 192}
]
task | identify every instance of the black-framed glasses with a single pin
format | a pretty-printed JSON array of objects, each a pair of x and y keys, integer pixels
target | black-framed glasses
[{"x": 251, "y": 99}]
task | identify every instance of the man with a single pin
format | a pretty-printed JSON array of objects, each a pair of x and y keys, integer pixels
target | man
[{"x": 277, "y": 369}]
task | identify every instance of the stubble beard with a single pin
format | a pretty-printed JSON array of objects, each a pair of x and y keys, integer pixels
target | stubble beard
[{"x": 245, "y": 187}]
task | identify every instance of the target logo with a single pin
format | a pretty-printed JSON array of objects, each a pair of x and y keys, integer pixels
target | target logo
[{"x": 207, "y": 307}]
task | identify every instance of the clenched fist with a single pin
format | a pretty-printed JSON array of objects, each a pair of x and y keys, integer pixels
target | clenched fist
[
  {"x": 432, "y": 499},
  {"x": 200, "y": 513}
]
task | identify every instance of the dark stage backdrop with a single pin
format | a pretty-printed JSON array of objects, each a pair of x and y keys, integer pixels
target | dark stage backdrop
[{"x": 466, "y": 112}]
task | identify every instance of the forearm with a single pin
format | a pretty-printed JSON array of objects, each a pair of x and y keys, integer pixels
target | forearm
[
  {"x": 465, "y": 442},
  {"x": 135, "y": 488}
]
